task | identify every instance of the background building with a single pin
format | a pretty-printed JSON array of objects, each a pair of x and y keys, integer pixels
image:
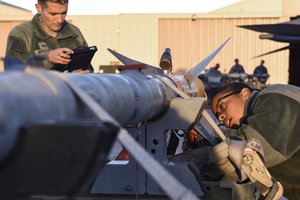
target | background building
[{"x": 191, "y": 37}]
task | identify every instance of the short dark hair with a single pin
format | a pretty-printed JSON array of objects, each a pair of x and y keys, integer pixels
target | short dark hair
[
  {"x": 43, "y": 2},
  {"x": 233, "y": 87}
]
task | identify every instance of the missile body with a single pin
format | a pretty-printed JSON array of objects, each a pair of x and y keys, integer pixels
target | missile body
[{"x": 38, "y": 95}]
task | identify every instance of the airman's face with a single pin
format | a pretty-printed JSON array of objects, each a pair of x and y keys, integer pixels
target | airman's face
[
  {"x": 228, "y": 107},
  {"x": 52, "y": 15}
]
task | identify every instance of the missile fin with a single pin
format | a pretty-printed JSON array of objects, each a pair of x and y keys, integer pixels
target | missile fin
[
  {"x": 274, "y": 51},
  {"x": 192, "y": 74},
  {"x": 128, "y": 61}
]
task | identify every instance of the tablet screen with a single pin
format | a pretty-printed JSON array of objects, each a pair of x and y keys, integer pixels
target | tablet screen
[{"x": 81, "y": 58}]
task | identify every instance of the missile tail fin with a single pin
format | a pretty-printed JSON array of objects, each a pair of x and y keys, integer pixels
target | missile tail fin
[
  {"x": 274, "y": 51},
  {"x": 125, "y": 60},
  {"x": 192, "y": 74},
  {"x": 128, "y": 61}
]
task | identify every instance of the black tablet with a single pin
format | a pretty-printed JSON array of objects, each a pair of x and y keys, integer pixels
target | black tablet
[{"x": 81, "y": 58}]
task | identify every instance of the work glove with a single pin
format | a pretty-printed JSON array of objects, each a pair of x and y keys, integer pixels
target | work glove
[
  {"x": 227, "y": 157},
  {"x": 199, "y": 163}
]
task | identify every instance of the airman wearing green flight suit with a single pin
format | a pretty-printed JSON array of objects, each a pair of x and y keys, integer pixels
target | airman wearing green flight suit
[{"x": 47, "y": 34}]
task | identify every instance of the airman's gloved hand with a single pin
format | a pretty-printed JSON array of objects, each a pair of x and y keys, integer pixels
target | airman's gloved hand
[{"x": 227, "y": 156}]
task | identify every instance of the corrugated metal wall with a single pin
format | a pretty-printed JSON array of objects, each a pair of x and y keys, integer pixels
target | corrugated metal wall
[
  {"x": 250, "y": 8},
  {"x": 5, "y": 27},
  {"x": 133, "y": 35},
  {"x": 10, "y": 16},
  {"x": 144, "y": 36},
  {"x": 192, "y": 40},
  {"x": 290, "y": 7}
]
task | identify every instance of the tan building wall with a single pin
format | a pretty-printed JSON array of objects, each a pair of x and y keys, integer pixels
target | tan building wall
[
  {"x": 193, "y": 40},
  {"x": 10, "y": 16},
  {"x": 250, "y": 9},
  {"x": 290, "y": 8},
  {"x": 133, "y": 35},
  {"x": 144, "y": 37},
  {"x": 191, "y": 37}
]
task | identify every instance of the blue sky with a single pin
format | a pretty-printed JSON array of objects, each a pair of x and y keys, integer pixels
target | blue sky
[{"x": 78, "y": 7}]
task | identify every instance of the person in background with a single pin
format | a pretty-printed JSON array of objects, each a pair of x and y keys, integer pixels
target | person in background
[
  {"x": 213, "y": 69},
  {"x": 47, "y": 35},
  {"x": 237, "y": 67},
  {"x": 261, "y": 72}
]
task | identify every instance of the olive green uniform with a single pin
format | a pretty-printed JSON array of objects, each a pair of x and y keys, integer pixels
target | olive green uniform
[
  {"x": 29, "y": 39},
  {"x": 273, "y": 116}
]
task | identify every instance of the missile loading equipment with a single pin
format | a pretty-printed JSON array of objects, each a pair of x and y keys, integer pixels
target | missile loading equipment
[{"x": 43, "y": 109}]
